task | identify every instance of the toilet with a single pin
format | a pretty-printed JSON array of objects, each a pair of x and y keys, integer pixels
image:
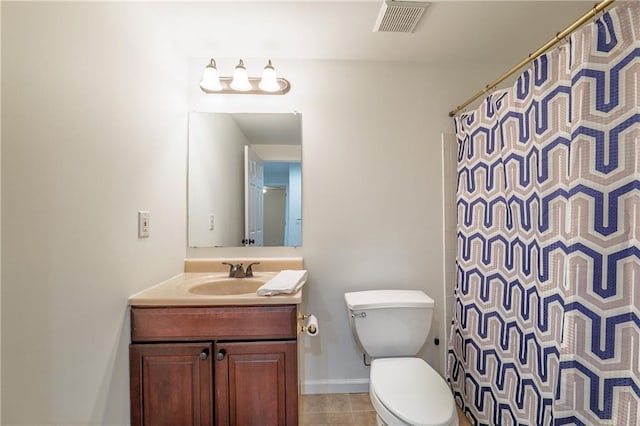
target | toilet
[{"x": 391, "y": 326}]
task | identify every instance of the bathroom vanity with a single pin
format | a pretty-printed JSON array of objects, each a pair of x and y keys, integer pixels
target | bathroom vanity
[{"x": 205, "y": 359}]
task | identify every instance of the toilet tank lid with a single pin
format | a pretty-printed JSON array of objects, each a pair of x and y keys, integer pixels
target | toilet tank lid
[{"x": 378, "y": 299}]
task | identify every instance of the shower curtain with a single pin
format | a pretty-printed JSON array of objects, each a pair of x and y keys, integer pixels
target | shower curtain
[{"x": 546, "y": 326}]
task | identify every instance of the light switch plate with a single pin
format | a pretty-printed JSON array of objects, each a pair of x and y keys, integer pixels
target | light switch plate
[{"x": 144, "y": 226}]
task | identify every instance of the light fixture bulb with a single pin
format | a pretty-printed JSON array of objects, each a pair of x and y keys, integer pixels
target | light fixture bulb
[
  {"x": 210, "y": 78},
  {"x": 269, "y": 81},
  {"x": 240, "y": 80}
]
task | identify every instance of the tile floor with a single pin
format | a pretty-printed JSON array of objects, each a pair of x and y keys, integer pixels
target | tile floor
[{"x": 343, "y": 409}]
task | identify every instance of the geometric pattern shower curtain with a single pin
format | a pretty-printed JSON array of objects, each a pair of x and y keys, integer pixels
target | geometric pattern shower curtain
[{"x": 546, "y": 328}]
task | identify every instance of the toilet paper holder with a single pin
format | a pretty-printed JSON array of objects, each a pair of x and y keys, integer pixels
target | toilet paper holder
[{"x": 310, "y": 329}]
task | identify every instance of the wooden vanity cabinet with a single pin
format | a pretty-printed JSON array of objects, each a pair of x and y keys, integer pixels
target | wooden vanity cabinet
[
  {"x": 171, "y": 384},
  {"x": 230, "y": 365},
  {"x": 251, "y": 383}
]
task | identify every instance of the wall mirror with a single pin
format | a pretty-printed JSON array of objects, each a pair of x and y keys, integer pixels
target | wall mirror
[{"x": 244, "y": 179}]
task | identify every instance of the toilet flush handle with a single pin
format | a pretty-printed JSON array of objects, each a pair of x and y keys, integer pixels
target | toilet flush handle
[{"x": 358, "y": 315}]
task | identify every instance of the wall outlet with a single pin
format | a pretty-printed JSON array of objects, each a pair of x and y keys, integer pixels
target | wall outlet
[{"x": 144, "y": 226}]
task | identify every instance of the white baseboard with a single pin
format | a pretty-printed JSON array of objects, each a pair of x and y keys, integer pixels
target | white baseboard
[{"x": 311, "y": 387}]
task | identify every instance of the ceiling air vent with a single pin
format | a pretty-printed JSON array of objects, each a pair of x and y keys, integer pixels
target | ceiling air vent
[{"x": 399, "y": 16}]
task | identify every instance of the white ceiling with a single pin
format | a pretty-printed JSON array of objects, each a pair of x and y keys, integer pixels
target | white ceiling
[{"x": 451, "y": 32}]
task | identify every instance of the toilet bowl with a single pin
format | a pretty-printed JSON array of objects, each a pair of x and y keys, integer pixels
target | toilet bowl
[
  {"x": 407, "y": 391},
  {"x": 391, "y": 326}
]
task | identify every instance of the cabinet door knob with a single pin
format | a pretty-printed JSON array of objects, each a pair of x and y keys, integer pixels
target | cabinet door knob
[
  {"x": 204, "y": 354},
  {"x": 221, "y": 354}
]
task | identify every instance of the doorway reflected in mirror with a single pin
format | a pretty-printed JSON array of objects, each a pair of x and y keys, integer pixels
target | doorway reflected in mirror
[{"x": 245, "y": 179}]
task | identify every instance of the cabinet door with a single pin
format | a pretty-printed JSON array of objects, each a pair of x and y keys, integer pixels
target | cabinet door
[
  {"x": 256, "y": 383},
  {"x": 171, "y": 384}
]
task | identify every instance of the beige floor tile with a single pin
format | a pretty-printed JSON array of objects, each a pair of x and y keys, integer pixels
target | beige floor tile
[
  {"x": 326, "y": 403},
  {"x": 344, "y": 409},
  {"x": 365, "y": 418},
  {"x": 360, "y": 402},
  {"x": 317, "y": 419}
]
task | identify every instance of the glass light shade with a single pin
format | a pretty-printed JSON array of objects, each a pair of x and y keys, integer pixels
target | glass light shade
[
  {"x": 210, "y": 78},
  {"x": 269, "y": 82},
  {"x": 240, "y": 80}
]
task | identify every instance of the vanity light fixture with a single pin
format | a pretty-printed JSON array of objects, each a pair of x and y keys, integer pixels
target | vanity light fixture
[
  {"x": 241, "y": 83},
  {"x": 240, "y": 79},
  {"x": 210, "y": 78},
  {"x": 269, "y": 82}
]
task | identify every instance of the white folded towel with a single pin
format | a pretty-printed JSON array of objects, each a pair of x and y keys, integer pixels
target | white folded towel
[{"x": 285, "y": 282}]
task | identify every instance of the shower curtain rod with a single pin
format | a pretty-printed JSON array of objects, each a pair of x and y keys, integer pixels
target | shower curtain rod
[{"x": 600, "y": 7}]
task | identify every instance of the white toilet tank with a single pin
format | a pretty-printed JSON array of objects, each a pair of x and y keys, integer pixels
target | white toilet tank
[{"x": 389, "y": 323}]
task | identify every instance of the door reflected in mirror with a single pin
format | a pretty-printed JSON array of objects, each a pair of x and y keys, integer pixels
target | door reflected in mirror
[{"x": 245, "y": 179}]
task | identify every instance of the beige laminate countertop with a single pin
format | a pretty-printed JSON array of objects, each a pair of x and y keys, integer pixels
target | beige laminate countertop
[{"x": 175, "y": 292}]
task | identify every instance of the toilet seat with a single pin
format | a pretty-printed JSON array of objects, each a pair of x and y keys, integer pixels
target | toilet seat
[{"x": 411, "y": 392}]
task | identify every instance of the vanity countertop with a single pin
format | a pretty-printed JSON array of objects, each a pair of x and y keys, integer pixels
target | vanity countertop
[{"x": 175, "y": 292}]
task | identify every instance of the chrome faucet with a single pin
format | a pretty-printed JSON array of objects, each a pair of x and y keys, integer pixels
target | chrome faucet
[{"x": 236, "y": 270}]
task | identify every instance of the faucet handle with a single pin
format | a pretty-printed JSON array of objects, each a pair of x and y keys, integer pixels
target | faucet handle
[
  {"x": 231, "y": 268},
  {"x": 235, "y": 270},
  {"x": 249, "y": 271}
]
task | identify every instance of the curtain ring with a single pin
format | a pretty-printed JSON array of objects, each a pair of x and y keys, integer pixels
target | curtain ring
[
  {"x": 558, "y": 39},
  {"x": 531, "y": 58},
  {"x": 596, "y": 13}
]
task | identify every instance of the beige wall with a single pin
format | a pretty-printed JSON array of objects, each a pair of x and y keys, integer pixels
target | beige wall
[
  {"x": 95, "y": 100},
  {"x": 94, "y": 129}
]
